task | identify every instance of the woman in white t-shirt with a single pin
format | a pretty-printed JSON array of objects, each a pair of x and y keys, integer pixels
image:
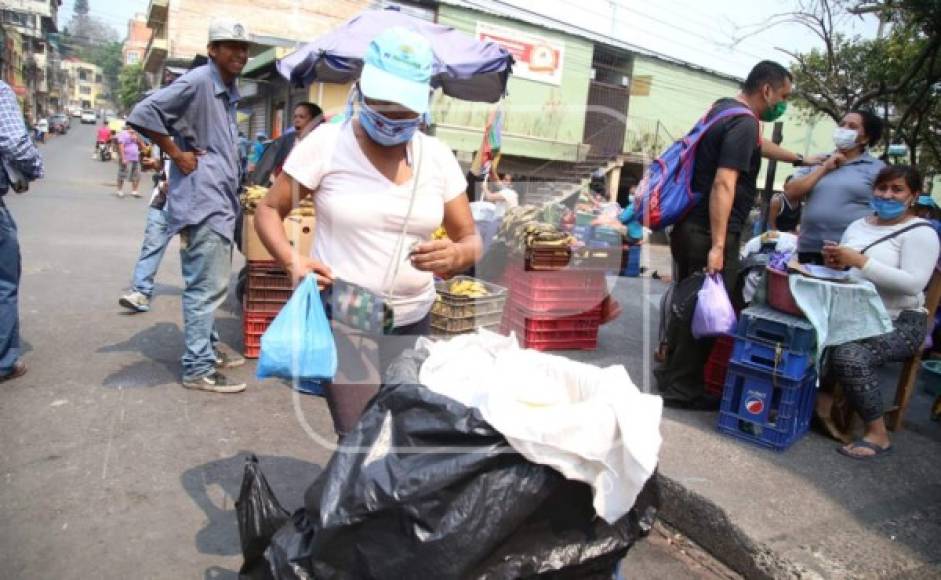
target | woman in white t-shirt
[
  {"x": 896, "y": 251},
  {"x": 380, "y": 189},
  {"x": 505, "y": 198}
]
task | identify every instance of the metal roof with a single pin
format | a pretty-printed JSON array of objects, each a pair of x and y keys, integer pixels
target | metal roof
[{"x": 504, "y": 10}]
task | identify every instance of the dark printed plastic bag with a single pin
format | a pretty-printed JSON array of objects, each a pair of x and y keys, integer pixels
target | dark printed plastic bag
[
  {"x": 259, "y": 515},
  {"x": 299, "y": 343},
  {"x": 473, "y": 508},
  {"x": 714, "y": 314}
]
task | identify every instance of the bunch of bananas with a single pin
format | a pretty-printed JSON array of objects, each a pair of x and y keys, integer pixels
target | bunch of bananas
[
  {"x": 253, "y": 194},
  {"x": 469, "y": 288},
  {"x": 305, "y": 208}
]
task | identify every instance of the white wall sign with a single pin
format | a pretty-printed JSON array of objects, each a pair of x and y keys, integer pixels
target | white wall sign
[{"x": 537, "y": 58}]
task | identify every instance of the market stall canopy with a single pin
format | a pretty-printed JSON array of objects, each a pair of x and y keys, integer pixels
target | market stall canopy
[{"x": 465, "y": 68}]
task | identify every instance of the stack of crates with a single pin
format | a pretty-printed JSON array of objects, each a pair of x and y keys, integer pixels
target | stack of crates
[
  {"x": 555, "y": 309},
  {"x": 267, "y": 290},
  {"x": 770, "y": 385}
]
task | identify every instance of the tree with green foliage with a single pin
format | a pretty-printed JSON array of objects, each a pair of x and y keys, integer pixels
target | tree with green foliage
[
  {"x": 131, "y": 84},
  {"x": 109, "y": 57},
  {"x": 897, "y": 74}
]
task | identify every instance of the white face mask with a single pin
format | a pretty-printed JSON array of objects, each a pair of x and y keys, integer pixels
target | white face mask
[{"x": 844, "y": 139}]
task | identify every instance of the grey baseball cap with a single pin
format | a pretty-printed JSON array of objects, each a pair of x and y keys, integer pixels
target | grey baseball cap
[{"x": 228, "y": 29}]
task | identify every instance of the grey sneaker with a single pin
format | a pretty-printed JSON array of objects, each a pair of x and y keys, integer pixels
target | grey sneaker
[
  {"x": 214, "y": 383},
  {"x": 226, "y": 360},
  {"x": 135, "y": 301}
]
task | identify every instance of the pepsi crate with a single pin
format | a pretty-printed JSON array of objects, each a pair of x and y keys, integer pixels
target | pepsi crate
[
  {"x": 767, "y": 324},
  {"x": 771, "y": 357},
  {"x": 632, "y": 263},
  {"x": 766, "y": 409}
]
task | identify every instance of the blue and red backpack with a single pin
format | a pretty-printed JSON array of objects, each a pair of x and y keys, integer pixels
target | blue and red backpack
[{"x": 665, "y": 195}]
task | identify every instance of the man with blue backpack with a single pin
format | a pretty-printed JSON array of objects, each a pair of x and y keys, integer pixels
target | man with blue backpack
[{"x": 705, "y": 186}]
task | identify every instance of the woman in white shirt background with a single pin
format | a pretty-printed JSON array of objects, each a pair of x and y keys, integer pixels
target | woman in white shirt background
[
  {"x": 380, "y": 189},
  {"x": 505, "y": 197},
  {"x": 896, "y": 251}
]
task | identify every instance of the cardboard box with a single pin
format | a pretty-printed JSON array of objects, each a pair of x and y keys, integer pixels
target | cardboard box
[{"x": 300, "y": 232}]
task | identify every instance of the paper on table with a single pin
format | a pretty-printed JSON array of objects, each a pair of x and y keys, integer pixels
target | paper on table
[
  {"x": 826, "y": 273},
  {"x": 819, "y": 272}
]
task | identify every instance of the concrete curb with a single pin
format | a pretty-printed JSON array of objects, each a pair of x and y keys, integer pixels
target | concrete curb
[{"x": 705, "y": 523}]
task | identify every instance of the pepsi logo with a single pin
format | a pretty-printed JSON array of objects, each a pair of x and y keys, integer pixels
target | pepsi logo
[{"x": 755, "y": 406}]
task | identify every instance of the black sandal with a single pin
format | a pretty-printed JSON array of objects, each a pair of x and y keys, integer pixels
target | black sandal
[{"x": 862, "y": 443}]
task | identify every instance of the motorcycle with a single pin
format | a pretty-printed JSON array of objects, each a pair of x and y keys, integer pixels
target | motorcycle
[{"x": 103, "y": 151}]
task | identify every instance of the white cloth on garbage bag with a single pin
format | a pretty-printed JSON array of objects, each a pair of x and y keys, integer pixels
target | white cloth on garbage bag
[{"x": 591, "y": 424}]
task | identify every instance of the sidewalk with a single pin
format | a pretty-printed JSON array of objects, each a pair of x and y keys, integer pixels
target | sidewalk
[{"x": 807, "y": 512}]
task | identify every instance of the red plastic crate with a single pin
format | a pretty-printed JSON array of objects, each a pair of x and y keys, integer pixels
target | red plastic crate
[
  {"x": 557, "y": 293},
  {"x": 281, "y": 295},
  {"x": 717, "y": 365},
  {"x": 554, "y": 308},
  {"x": 253, "y": 326},
  {"x": 579, "y": 332}
]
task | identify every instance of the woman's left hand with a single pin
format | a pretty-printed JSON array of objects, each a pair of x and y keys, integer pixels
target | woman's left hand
[
  {"x": 438, "y": 256},
  {"x": 838, "y": 257}
]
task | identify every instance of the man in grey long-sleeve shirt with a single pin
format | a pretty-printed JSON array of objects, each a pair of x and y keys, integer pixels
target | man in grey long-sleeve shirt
[
  {"x": 19, "y": 162},
  {"x": 194, "y": 121}
]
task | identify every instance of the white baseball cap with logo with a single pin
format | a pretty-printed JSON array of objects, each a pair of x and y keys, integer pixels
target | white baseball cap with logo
[{"x": 228, "y": 29}]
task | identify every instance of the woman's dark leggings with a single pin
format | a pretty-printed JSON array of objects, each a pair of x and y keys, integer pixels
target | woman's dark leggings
[
  {"x": 854, "y": 364},
  {"x": 347, "y": 401}
]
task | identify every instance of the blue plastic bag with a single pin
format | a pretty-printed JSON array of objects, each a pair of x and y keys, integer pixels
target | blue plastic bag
[
  {"x": 299, "y": 343},
  {"x": 714, "y": 315}
]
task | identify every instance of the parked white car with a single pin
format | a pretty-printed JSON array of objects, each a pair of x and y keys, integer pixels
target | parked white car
[{"x": 88, "y": 116}]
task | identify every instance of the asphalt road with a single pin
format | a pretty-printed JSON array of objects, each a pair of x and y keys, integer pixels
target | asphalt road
[{"x": 109, "y": 468}]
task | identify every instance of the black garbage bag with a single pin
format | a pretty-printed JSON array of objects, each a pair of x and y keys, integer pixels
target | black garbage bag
[
  {"x": 471, "y": 508},
  {"x": 260, "y": 516}
]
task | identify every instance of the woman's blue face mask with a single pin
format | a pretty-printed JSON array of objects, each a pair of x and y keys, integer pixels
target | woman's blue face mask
[
  {"x": 887, "y": 208},
  {"x": 382, "y": 129}
]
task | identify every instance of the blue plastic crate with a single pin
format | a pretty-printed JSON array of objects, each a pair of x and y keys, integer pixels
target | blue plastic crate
[
  {"x": 771, "y": 357},
  {"x": 632, "y": 264},
  {"x": 582, "y": 232},
  {"x": 767, "y": 324},
  {"x": 764, "y": 409},
  {"x": 609, "y": 236}
]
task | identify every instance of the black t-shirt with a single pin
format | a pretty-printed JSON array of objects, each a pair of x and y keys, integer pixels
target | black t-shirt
[{"x": 733, "y": 144}]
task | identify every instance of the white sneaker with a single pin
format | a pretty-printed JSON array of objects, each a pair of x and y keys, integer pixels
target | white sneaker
[
  {"x": 214, "y": 383},
  {"x": 120, "y": 194},
  {"x": 135, "y": 301},
  {"x": 135, "y": 194}
]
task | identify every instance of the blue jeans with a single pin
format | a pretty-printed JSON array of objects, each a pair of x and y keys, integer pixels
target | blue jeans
[
  {"x": 9, "y": 292},
  {"x": 207, "y": 263},
  {"x": 155, "y": 243}
]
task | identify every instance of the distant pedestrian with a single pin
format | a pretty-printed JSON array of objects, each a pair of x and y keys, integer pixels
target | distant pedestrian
[
  {"x": 19, "y": 162},
  {"x": 306, "y": 118},
  {"x": 199, "y": 111},
  {"x": 156, "y": 238},
  {"x": 245, "y": 146},
  {"x": 256, "y": 151},
  {"x": 102, "y": 138},
  {"x": 42, "y": 127},
  {"x": 784, "y": 215},
  {"x": 129, "y": 150}
]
